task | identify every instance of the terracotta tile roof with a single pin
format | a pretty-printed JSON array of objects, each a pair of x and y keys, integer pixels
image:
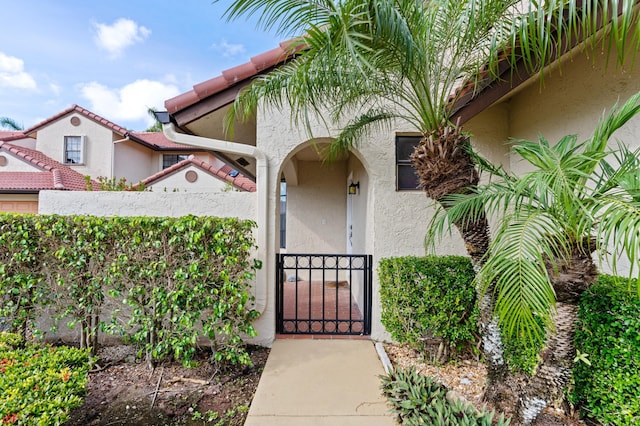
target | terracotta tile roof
[
  {"x": 53, "y": 175},
  {"x": 11, "y": 135},
  {"x": 240, "y": 181},
  {"x": 158, "y": 142},
  {"x": 75, "y": 108},
  {"x": 232, "y": 76}
]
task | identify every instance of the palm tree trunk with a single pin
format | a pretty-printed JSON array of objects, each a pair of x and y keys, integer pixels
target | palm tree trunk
[
  {"x": 546, "y": 387},
  {"x": 444, "y": 165},
  {"x": 499, "y": 391}
]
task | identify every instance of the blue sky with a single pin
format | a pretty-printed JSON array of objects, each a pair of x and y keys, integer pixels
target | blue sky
[{"x": 115, "y": 58}]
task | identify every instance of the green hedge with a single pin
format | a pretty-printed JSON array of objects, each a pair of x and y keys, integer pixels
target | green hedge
[
  {"x": 40, "y": 385},
  {"x": 182, "y": 278},
  {"x": 608, "y": 332},
  {"x": 432, "y": 296}
]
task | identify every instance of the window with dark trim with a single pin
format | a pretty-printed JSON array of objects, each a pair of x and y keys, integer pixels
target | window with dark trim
[
  {"x": 169, "y": 160},
  {"x": 406, "y": 178}
]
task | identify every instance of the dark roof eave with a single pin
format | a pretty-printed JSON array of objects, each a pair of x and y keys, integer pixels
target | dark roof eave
[
  {"x": 155, "y": 147},
  {"x": 210, "y": 104},
  {"x": 22, "y": 191},
  {"x": 471, "y": 104}
]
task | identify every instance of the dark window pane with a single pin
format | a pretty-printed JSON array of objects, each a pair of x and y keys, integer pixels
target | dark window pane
[
  {"x": 405, "y": 146},
  {"x": 169, "y": 160},
  {"x": 407, "y": 179}
]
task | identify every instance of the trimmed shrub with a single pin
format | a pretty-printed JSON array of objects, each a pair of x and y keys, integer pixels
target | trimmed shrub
[
  {"x": 40, "y": 385},
  {"x": 23, "y": 289},
  {"x": 608, "y": 333},
  {"x": 429, "y": 297}
]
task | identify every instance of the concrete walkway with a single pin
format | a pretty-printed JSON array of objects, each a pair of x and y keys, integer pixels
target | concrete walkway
[{"x": 320, "y": 382}]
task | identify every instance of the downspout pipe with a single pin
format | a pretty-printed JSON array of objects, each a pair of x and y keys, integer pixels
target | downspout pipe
[{"x": 262, "y": 186}]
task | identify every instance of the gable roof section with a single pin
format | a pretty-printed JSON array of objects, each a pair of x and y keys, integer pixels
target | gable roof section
[
  {"x": 224, "y": 173},
  {"x": 11, "y": 135},
  {"x": 76, "y": 108},
  {"x": 231, "y": 80},
  {"x": 53, "y": 175}
]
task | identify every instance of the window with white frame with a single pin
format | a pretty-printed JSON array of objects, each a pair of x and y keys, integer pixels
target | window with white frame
[
  {"x": 73, "y": 150},
  {"x": 406, "y": 178}
]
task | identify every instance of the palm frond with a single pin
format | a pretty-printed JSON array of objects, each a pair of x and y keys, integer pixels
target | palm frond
[
  {"x": 285, "y": 16},
  {"x": 550, "y": 28},
  {"x": 516, "y": 268},
  {"x": 353, "y": 132},
  {"x": 618, "y": 229},
  {"x": 10, "y": 123}
]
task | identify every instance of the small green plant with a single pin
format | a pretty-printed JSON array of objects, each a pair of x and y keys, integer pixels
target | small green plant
[
  {"x": 40, "y": 385},
  {"x": 420, "y": 400},
  {"x": 114, "y": 184}
]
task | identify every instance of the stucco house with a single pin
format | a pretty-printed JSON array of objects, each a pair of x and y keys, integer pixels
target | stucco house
[
  {"x": 24, "y": 172},
  {"x": 81, "y": 143},
  {"x": 366, "y": 203}
]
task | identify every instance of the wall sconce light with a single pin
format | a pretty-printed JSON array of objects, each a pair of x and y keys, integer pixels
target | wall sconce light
[{"x": 354, "y": 188}]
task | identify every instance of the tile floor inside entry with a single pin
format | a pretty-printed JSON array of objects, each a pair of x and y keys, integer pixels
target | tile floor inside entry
[{"x": 320, "y": 307}]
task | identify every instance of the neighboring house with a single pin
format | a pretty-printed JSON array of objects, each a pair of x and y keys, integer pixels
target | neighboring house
[
  {"x": 89, "y": 145},
  {"x": 367, "y": 202},
  {"x": 195, "y": 175},
  {"x": 24, "y": 172}
]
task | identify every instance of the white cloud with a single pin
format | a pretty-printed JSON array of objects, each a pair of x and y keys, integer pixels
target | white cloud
[
  {"x": 129, "y": 103},
  {"x": 229, "y": 50},
  {"x": 55, "y": 89},
  {"x": 12, "y": 73},
  {"x": 118, "y": 36}
]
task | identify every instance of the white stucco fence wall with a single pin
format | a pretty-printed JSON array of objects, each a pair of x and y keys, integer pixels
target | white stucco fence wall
[{"x": 174, "y": 204}]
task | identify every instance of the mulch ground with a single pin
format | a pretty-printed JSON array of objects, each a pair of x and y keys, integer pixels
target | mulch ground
[{"x": 122, "y": 391}]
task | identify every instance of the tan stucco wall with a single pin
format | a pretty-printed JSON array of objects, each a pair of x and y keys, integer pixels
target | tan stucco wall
[
  {"x": 490, "y": 134},
  {"x": 25, "y": 143},
  {"x": 98, "y": 146},
  {"x": 316, "y": 219},
  {"x": 133, "y": 161}
]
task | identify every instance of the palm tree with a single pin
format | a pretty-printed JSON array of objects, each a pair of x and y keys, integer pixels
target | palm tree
[
  {"x": 157, "y": 125},
  {"x": 11, "y": 124},
  {"x": 579, "y": 199},
  {"x": 405, "y": 61}
]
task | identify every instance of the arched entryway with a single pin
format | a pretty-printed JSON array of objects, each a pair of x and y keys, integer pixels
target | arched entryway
[{"x": 323, "y": 273}]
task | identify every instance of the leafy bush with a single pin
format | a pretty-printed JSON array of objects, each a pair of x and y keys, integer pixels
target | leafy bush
[
  {"x": 183, "y": 278},
  {"x": 522, "y": 354},
  {"x": 22, "y": 286},
  {"x": 420, "y": 400},
  {"x": 40, "y": 385},
  {"x": 424, "y": 297},
  {"x": 608, "y": 332}
]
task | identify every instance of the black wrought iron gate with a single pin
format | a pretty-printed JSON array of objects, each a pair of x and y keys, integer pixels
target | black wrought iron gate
[{"x": 323, "y": 294}]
